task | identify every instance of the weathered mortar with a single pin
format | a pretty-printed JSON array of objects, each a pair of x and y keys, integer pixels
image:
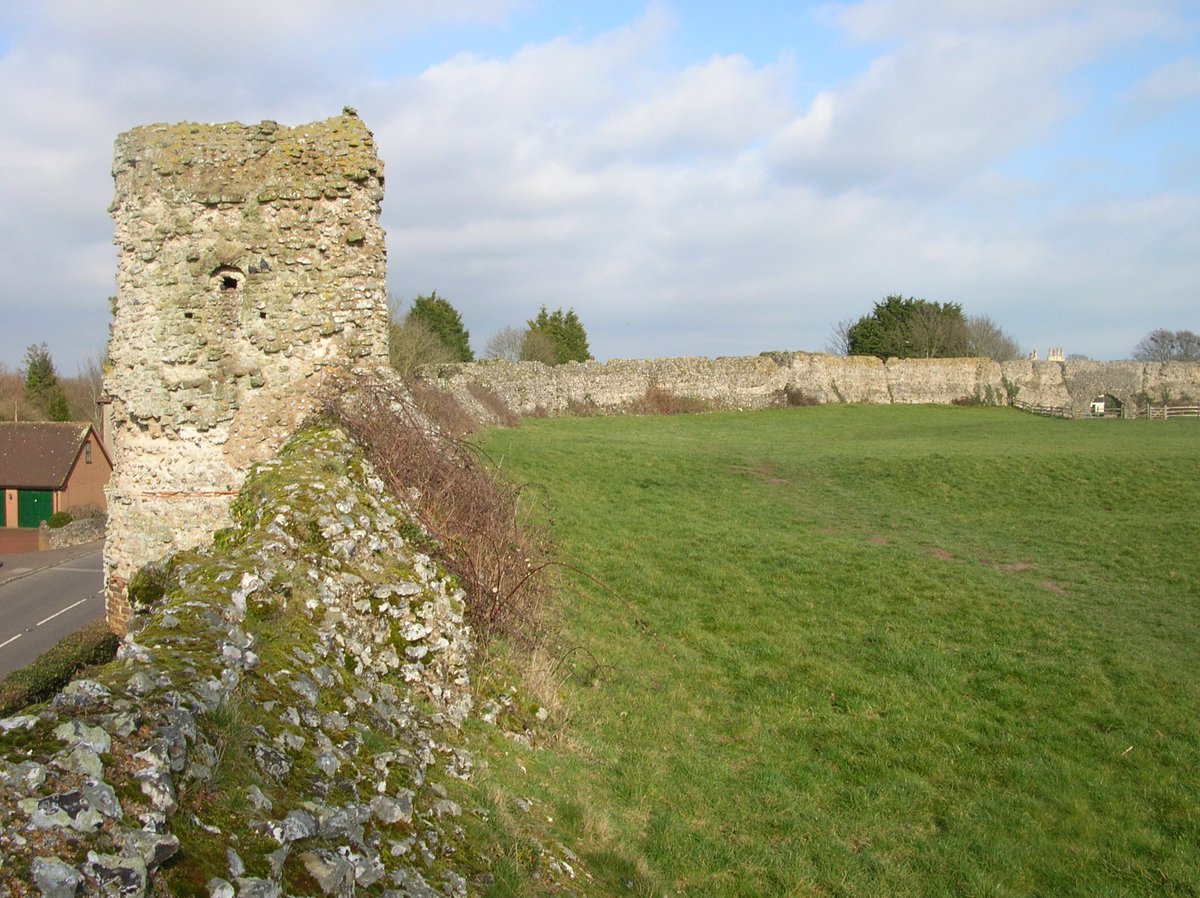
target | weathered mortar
[
  {"x": 776, "y": 378},
  {"x": 251, "y": 265}
]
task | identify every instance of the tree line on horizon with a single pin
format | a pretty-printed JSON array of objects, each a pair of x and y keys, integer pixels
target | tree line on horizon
[
  {"x": 1163, "y": 345},
  {"x": 907, "y": 328},
  {"x": 36, "y": 391},
  {"x": 904, "y": 328},
  {"x": 432, "y": 332}
]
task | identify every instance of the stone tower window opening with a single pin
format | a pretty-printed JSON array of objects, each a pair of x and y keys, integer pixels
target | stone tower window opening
[
  {"x": 228, "y": 279},
  {"x": 241, "y": 363}
]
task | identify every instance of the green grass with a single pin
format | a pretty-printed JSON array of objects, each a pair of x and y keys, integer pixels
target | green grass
[{"x": 874, "y": 651}]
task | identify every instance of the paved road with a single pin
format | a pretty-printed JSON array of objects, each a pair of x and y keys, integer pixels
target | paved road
[{"x": 38, "y": 607}]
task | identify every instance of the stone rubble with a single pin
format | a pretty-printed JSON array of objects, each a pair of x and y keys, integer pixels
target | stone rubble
[{"x": 312, "y": 635}]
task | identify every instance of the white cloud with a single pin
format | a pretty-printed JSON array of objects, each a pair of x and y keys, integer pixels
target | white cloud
[
  {"x": 681, "y": 208},
  {"x": 889, "y": 20},
  {"x": 1164, "y": 90},
  {"x": 948, "y": 103}
]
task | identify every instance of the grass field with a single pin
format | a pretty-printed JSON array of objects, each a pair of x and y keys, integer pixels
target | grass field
[{"x": 873, "y": 651}]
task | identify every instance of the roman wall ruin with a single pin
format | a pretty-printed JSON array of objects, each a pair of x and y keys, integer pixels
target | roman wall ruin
[
  {"x": 251, "y": 270},
  {"x": 774, "y": 379}
]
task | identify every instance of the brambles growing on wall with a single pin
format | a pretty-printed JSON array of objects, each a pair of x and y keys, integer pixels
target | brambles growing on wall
[
  {"x": 1011, "y": 389},
  {"x": 441, "y": 408},
  {"x": 795, "y": 397},
  {"x": 498, "y": 554},
  {"x": 491, "y": 400},
  {"x": 657, "y": 401}
]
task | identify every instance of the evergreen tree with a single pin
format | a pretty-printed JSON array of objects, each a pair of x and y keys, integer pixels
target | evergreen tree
[
  {"x": 565, "y": 333},
  {"x": 42, "y": 387},
  {"x": 910, "y": 328},
  {"x": 443, "y": 319}
]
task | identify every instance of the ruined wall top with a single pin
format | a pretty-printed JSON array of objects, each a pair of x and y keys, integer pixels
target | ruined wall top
[
  {"x": 237, "y": 243},
  {"x": 213, "y": 164}
]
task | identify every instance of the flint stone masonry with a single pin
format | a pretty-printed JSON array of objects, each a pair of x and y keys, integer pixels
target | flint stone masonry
[
  {"x": 251, "y": 266},
  {"x": 321, "y": 641},
  {"x": 773, "y": 379}
]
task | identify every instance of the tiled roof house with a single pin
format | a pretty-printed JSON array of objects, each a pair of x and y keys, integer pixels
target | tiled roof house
[{"x": 47, "y": 467}]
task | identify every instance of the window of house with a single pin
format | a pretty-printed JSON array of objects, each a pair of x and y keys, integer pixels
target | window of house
[{"x": 87, "y": 452}]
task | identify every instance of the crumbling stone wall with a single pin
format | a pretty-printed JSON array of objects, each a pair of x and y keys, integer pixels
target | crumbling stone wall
[
  {"x": 777, "y": 378},
  {"x": 251, "y": 267},
  {"x": 247, "y": 694}
]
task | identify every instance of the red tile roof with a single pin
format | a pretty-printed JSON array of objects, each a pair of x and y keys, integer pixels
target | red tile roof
[{"x": 38, "y": 455}]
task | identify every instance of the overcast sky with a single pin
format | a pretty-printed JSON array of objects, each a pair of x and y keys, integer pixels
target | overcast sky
[{"x": 694, "y": 178}]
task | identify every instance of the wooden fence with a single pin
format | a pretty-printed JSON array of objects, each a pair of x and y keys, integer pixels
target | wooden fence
[
  {"x": 1047, "y": 411},
  {"x": 1162, "y": 412},
  {"x": 1150, "y": 412}
]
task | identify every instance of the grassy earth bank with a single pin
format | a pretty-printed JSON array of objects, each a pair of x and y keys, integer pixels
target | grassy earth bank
[{"x": 864, "y": 651}]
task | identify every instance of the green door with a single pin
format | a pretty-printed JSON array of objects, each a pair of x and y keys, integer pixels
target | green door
[{"x": 33, "y": 507}]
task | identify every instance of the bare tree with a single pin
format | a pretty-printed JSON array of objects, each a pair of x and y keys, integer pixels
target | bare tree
[
  {"x": 13, "y": 404},
  {"x": 839, "y": 341},
  {"x": 507, "y": 343},
  {"x": 412, "y": 344},
  {"x": 931, "y": 332},
  {"x": 521, "y": 346},
  {"x": 1187, "y": 346},
  {"x": 84, "y": 390},
  {"x": 1162, "y": 345},
  {"x": 986, "y": 339},
  {"x": 537, "y": 347}
]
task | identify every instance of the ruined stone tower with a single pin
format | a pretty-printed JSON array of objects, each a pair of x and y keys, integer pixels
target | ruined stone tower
[{"x": 251, "y": 269}]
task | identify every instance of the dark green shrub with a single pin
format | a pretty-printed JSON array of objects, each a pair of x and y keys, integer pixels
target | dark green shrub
[
  {"x": 94, "y": 644},
  {"x": 148, "y": 586},
  {"x": 59, "y": 519}
]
